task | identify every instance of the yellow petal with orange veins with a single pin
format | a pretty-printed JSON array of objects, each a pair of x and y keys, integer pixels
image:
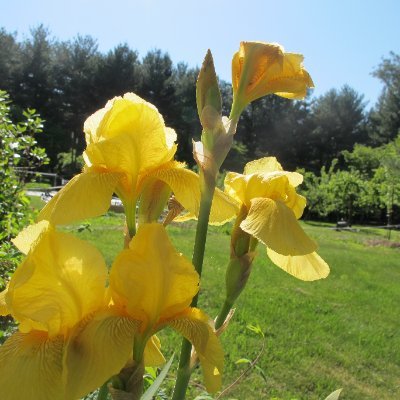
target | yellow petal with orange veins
[
  {"x": 309, "y": 267},
  {"x": 89, "y": 194},
  {"x": 275, "y": 225},
  {"x": 31, "y": 367},
  {"x": 152, "y": 353},
  {"x": 186, "y": 188},
  {"x": 294, "y": 80},
  {"x": 151, "y": 279},
  {"x": 98, "y": 348},
  {"x": 195, "y": 326},
  {"x": 60, "y": 282}
]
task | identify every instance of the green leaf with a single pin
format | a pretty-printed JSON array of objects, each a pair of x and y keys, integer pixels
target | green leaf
[
  {"x": 335, "y": 395},
  {"x": 243, "y": 361},
  {"x": 152, "y": 390},
  {"x": 255, "y": 329}
]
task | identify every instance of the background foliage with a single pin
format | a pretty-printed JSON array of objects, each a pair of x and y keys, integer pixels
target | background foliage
[{"x": 66, "y": 81}]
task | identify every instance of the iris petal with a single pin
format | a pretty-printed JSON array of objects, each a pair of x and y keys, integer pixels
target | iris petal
[
  {"x": 152, "y": 353},
  {"x": 185, "y": 186},
  {"x": 90, "y": 192},
  {"x": 275, "y": 225},
  {"x": 308, "y": 267},
  {"x": 195, "y": 326},
  {"x": 98, "y": 348},
  {"x": 31, "y": 367},
  {"x": 61, "y": 281},
  {"x": 150, "y": 279}
]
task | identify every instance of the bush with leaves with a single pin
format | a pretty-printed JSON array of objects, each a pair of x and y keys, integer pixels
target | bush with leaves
[{"x": 18, "y": 153}]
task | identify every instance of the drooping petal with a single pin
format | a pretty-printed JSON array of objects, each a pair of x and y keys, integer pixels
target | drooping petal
[
  {"x": 84, "y": 196},
  {"x": 309, "y": 267},
  {"x": 97, "y": 349},
  {"x": 152, "y": 353},
  {"x": 31, "y": 367},
  {"x": 275, "y": 225},
  {"x": 150, "y": 279},
  {"x": 195, "y": 326},
  {"x": 185, "y": 186},
  {"x": 61, "y": 281}
]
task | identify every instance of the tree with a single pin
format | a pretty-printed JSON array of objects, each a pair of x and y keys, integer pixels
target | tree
[
  {"x": 339, "y": 120},
  {"x": 385, "y": 117},
  {"x": 9, "y": 59},
  {"x": 32, "y": 82},
  {"x": 118, "y": 72},
  {"x": 75, "y": 67}
]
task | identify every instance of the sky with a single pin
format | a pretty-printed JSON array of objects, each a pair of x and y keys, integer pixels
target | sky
[{"x": 343, "y": 42}]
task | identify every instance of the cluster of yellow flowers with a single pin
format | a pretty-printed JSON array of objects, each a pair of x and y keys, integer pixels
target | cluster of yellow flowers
[{"x": 80, "y": 324}]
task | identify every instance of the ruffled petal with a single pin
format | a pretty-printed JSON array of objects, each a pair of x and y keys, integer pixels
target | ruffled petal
[
  {"x": 186, "y": 188},
  {"x": 294, "y": 80},
  {"x": 31, "y": 367},
  {"x": 151, "y": 279},
  {"x": 30, "y": 236},
  {"x": 137, "y": 122},
  {"x": 309, "y": 267},
  {"x": 84, "y": 196},
  {"x": 262, "y": 165},
  {"x": 275, "y": 225},
  {"x": 98, "y": 349},
  {"x": 195, "y": 326},
  {"x": 235, "y": 186},
  {"x": 61, "y": 281}
]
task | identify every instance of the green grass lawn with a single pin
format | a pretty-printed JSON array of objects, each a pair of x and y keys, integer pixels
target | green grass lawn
[{"x": 320, "y": 336}]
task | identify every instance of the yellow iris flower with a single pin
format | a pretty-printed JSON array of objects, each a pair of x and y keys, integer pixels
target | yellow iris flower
[
  {"x": 72, "y": 337},
  {"x": 270, "y": 208},
  {"x": 155, "y": 285},
  {"x": 261, "y": 68},
  {"x": 130, "y": 152}
]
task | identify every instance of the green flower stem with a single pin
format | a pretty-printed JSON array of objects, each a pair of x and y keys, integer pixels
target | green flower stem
[
  {"x": 130, "y": 213},
  {"x": 103, "y": 391},
  {"x": 207, "y": 187},
  {"x": 184, "y": 370}
]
